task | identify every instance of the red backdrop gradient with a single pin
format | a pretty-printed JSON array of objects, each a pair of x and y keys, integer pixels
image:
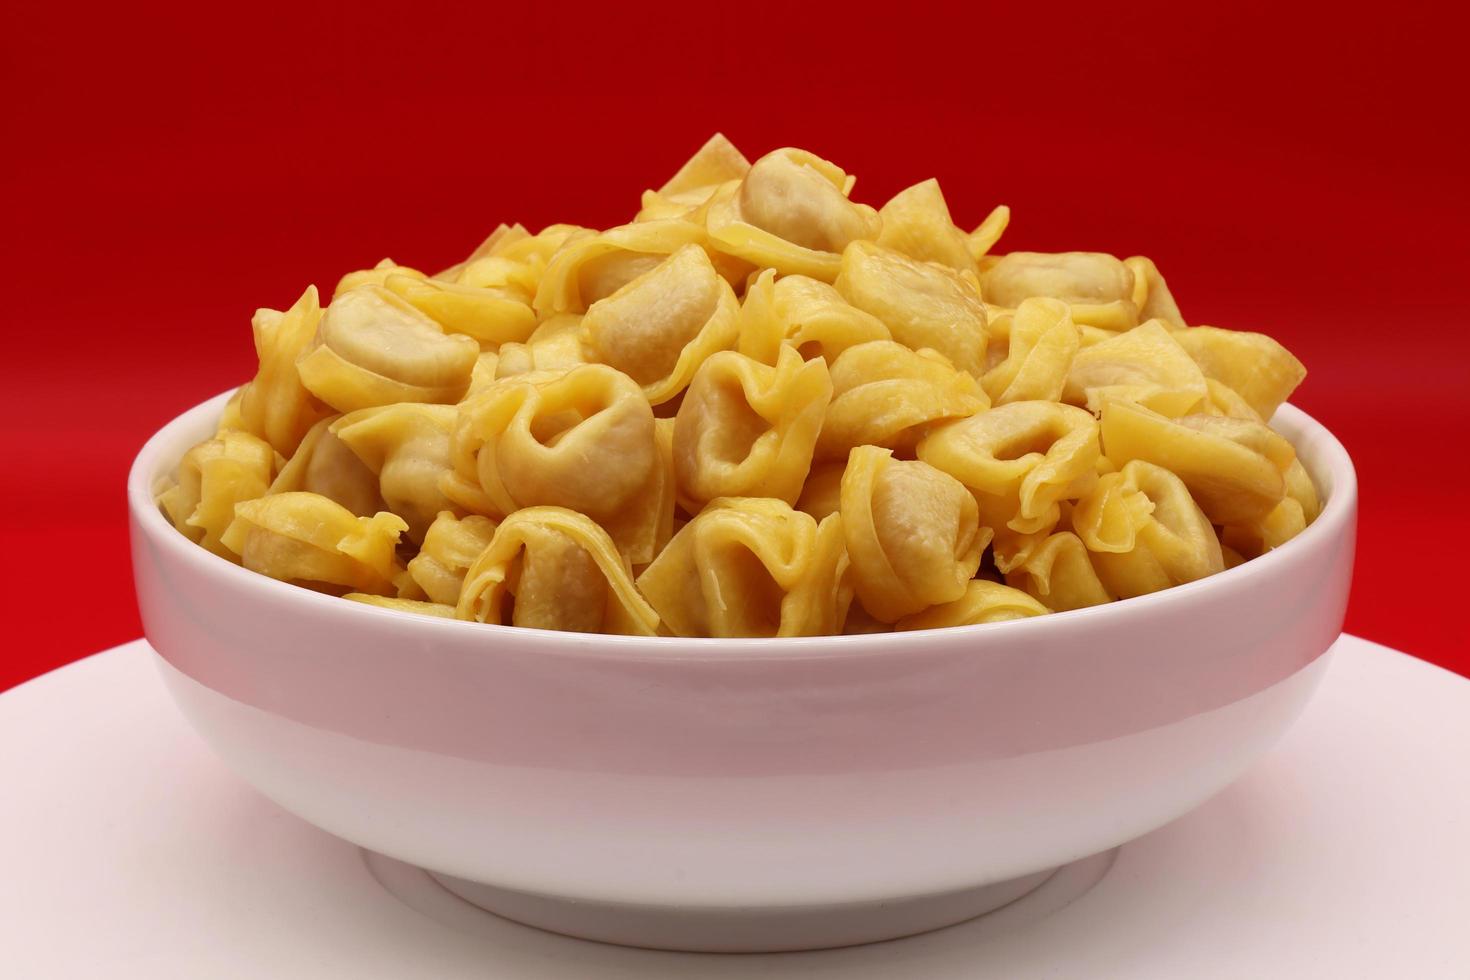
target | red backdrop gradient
[{"x": 168, "y": 168}]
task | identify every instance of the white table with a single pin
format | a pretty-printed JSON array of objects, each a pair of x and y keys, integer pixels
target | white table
[{"x": 128, "y": 851}]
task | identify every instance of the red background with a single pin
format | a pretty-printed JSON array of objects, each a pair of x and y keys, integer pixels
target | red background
[{"x": 168, "y": 170}]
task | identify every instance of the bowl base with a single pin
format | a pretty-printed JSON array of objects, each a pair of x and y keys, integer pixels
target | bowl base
[{"x": 744, "y": 930}]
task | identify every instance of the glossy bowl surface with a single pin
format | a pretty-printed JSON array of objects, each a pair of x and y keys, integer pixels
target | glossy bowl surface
[{"x": 698, "y": 781}]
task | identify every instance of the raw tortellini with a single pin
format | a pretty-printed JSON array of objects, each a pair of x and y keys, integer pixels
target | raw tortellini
[{"x": 757, "y": 407}]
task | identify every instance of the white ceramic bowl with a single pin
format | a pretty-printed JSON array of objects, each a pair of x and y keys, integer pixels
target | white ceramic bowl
[{"x": 742, "y": 794}]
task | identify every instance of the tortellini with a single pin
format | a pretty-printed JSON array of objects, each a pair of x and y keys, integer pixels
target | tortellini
[
  {"x": 1021, "y": 460},
  {"x": 916, "y": 222},
  {"x": 1042, "y": 341},
  {"x": 274, "y": 405},
  {"x": 922, "y": 304},
  {"x": 1059, "y": 572},
  {"x": 450, "y": 547},
  {"x": 790, "y": 212},
  {"x": 212, "y": 478},
  {"x": 1235, "y": 468},
  {"x": 913, "y": 533},
  {"x": 373, "y": 348},
  {"x": 583, "y": 439},
  {"x": 1145, "y": 532},
  {"x": 754, "y": 407},
  {"x": 487, "y": 314},
  {"x": 805, "y": 313},
  {"x": 1098, "y": 287},
  {"x": 1252, "y": 365},
  {"x": 554, "y": 569},
  {"x": 1144, "y": 365},
  {"x": 307, "y": 539},
  {"x": 323, "y": 464},
  {"x": 884, "y": 394},
  {"x": 661, "y": 326},
  {"x": 746, "y": 429},
  {"x": 750, "y": 567},
  {"x": 982, "y": 602},
  {"x": 407, "y": 447}
]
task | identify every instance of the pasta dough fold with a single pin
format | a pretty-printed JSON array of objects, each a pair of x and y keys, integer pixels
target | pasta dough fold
[
  {"x": 323, "y": 465},
  {"x": 1144, "y": 365},
  {"x": 212, "y": 478},
  {"x": 582, "y": 439},
  {"x": 804, "y": 313},
  {"x": 406, "y": 446},
  {"x": 913, "y": 533},
  {"x": 790, "y": 212},
  {"x": 554, "y": 569},
  {"x": 884, "y": 394},
  {"x": 373, "y": 348},
  {"x": 1145, "y": 532},
  {"x": 746, "y": 429},
  {"x": 916, "y": 222},
  {"x": 982, "y": 602},
  {"x": 1021, "y": 460},
  {"x": 1042, "y": 341},
  {"x": 450, "y": 547},
  {"x": 309, "y": 540},
  {"x": 1098, "y": 287},
  {"x": 1253, "y": 365},
  {"x": 1235, "y": 468},
  {"x": 661, "y": 326},
  {"x": 750, "y": 567},
  {"x": 922, "y": 304},
  {"x": 274, "y": 405}
]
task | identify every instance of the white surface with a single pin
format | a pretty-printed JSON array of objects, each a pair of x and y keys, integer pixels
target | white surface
[{"x": 127, "y": 850}]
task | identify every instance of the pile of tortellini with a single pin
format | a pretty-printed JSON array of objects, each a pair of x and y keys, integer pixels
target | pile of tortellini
[{"x": 757, "y": 409}]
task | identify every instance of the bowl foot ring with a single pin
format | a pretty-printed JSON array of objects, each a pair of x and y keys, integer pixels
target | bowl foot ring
[{"x": 480, "y": 908}]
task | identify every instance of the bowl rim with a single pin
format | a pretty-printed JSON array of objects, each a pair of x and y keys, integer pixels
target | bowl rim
[{"x": 1335, "y": 520}]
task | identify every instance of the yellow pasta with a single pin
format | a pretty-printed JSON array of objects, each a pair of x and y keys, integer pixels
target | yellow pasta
[
  {"x": 373, "y": 348},
  {"x": 323, "y": 465},
  {"x": 554, "y": 569},
  {"x": 1098, "y": 287},
  {"x": 790, "y": 212},
  {"x": 982, "y": 602},
  {"x": 556, "y": 345},
  {"x": 274, "y": 405},
  {"x": 661, "y": 326},
  {"x": 436, "y": 609},
  {"x": 750, "y": 567},
  {"x": 916, "y": 222},
  {"x": 922, "y": 304},
  {"x": 450, "y": 547},
  {"x": 805, "y": 313},
  {"x": 407, "y": 447},
  {"x": 746, "y": 429},
  {"x": 1041, "y": 343},
  {"x": 1059, "y": 572},
  {"x": 582, "y": 439},
  {"x": 1235, "y": 468},
  {"x": 1253, "y": 365},
  {"x": 884, "y": 394},
  {"x": 487, "y": 314},
  {"x": 1145, "y": 532},
  {"x": 312, "y": 541},
  {"x": 1144, "y": 365},
  {"x": 212, "y": 478},
  {"x": 1022, "y": 461},
  {"x": 755, "y": 407},
  {"x": 913, "y": 533},
  {"x": 1151, "y": 294}
]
